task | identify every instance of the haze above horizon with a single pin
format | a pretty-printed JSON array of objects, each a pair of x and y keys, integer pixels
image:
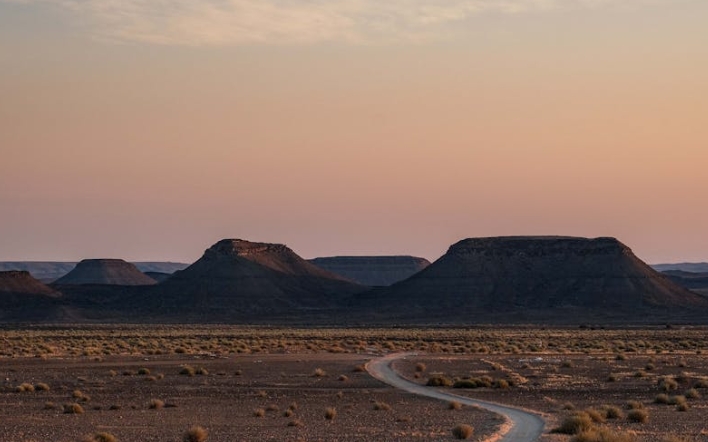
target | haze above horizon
[{"x": 149, "y": 130}]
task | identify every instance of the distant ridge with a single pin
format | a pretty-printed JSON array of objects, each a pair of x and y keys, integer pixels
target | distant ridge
[
  {"x": 563, "y": 279},
  {"x": 49, "y": 271},
  {"x": 237, "y": 278},
  {"x": 105, "y": 271},
  {"x": 373, "y": 270},
  {"x": 693, "y": 267}
]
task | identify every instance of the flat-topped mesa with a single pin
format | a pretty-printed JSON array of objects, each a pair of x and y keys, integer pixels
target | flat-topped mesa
[
  {"x": 550, "y": 275},
  {"x": 539, "y": 245},
  {"x": 237, "y": 278},
  {"x": 373, "y": 270},
  {"x": 105, "y": 272},
  {"x": 21, "y": 282}
]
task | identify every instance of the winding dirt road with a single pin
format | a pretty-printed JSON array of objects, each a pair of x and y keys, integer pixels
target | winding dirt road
[{"x": 525, "y": 427}]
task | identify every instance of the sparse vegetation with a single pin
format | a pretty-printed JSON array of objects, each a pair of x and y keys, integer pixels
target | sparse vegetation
[
  {"x": 73, "y": 409},
  {"x": 330, "y": 413},
  {"x": 195, "y": 434},
  {"x": 463, "y": 431},
  {"x": 638, "y": 415},
  {"x": 575, "y": 423}
]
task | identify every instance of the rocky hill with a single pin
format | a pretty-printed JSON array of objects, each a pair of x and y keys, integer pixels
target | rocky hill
[
  {"x": 373, "y": 270},
  {"x": 23, "y": 298},
  {"x": 241, "y": 279},
  {"x": 105, "y": 271},
  {"x": 522, "y": 279}
]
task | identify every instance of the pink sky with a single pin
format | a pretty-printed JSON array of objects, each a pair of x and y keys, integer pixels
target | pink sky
[{"x": 136, "y": 132}]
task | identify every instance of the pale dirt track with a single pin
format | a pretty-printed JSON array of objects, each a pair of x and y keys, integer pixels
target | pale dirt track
[{"x": 525, "y": 427}]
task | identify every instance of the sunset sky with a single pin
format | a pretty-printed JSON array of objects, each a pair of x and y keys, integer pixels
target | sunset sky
[{"x": 150, "y": 129}]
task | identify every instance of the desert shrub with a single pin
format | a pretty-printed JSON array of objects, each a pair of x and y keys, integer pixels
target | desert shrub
[
  {"x": 640, "y": 374},
  {"x": 73, "y": 409},
  {"x": 454, "y": 405},
  {"x": 682, "y": 406},
  {"x": 701, "y": 383},
  {"x": 638, "y": 415},
  {"x": 319, "y": 373},
  {"x": 439, "y": 381},
  {"x": 292, "y": 406},
  {"x": 692, "y": 394},
  {"x": 603, "y": 435},
  {"x": 359, "y": 368},
  {"x": 576, "y": 423},
  {"x": 596, "y": 416},
  {"x": 662, "y": 398},
  {"x": 677, "y": 400},
  {"x": 330, "y": 413},
  {"x": 634, "y": 405},
  {"x": 49, "y": 406},
  {"x": 613, "y": 412},
  {"x": 463, "y": 431},
  {"x": 195, "y": 434},
  {"x": 144, "y": 371},
  {"x": 343, "y": 378},
  {"x": 187, "y": 370},
  {"x": 420, "y": 367},
  {"x": 502, "y": 384},
  {"x": 259, "y": 412},
  {"x": 41, "y": 387},
  {"x": 649, "y": 367},
  {"x": 24, "y": 387},
  {"x": 288, "y": 413},
  {"x": 201, "y": 371},
  {"x": 381, "y": 406},
  {"x": 156, "y": 404},
  {"x": 466, "y": 383},
  {"x": 272, "y": 407},
  {"x": 667, "y": 384},
  {"x": 621, "y": 357},
  {"x": 567, "y": 364},
  {"x": 295, "y": 423},
  {"x": 612, "y": 377},
  {"x": 568, "y": 406},
  {"x": 102, "y": 437}
]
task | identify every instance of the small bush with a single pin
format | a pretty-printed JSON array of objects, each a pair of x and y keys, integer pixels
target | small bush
[
  {"x": 156, "y": 404},
  {"x": 49, "y": 406},
  {"x": 634, "y": 405},
  {"x": 463, "y": 431},
  {"x": 612, "y": 377},
  {"x": 692, "y": 394},
  {"x": 603, "y": 435},
  {"x": 677, "y": 400},
  {"x": 613, "y": 412},
  {"x": 682, "y": 406},
  {"x": 195, "y": 434},
  {"x": 439, "y": 381},
  {"x": 359, "y": 369},
  {"x": 576, "y": 423},
  {"x": 272, "y": 407},
  {"x": 701, "y": 383},
  {"x": 103, "y": 437},
  {"x": 288, "y": 413},
  {"x": 420, "y": 367},
  {"x": 144, "y": 371},
  {"x": 24, "y": 387},
  {"x": 381, "y": 406},
  {"x": 343, "y": 378},
  {"x": 596, "y": 416},
  {"x": 41, "y": 387},
  {"x": 638, "y": 415},
  {"x": 567, "y": 364},
  {"x": 454, "y": 405},
  {"x": 187, "y": 370},
  {"x": 201, "y": 371},
  {"x": 330, "y": 413},
  {"x": 73, "y": 409},
  {"x": 259, "y": 412},
  {"x": 667, "y": 383},
  {"x": 295, "y": 423},
  {"x": 319, "y": 373}
]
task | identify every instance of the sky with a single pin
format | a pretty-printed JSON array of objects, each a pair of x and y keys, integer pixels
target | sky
[{"x": 150, "y": 129}]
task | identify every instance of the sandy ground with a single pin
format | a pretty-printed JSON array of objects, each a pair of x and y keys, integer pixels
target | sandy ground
[{"x": 224, "y": 401}]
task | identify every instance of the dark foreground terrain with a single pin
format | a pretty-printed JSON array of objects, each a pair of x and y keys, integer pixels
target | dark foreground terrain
[{"x": 250, "y": 384}]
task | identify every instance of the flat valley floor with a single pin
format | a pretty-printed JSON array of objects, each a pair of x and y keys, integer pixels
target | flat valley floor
[{"x": 67, "y": 384}]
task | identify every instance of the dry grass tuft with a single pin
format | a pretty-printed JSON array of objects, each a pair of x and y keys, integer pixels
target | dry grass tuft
[
  {"x": 463, "y": 431},
  {"x": 638, "y": 416},
  {"x": 195, "y": 434},
  {"x": 156, "y": 404},
  {"x": 330, "y": 413},
  {"x": 73, "y": 409},
  {"x": 454, "y": 405}
]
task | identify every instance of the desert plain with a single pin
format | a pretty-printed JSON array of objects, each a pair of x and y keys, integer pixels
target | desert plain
[{"x": 154, "y": 383}]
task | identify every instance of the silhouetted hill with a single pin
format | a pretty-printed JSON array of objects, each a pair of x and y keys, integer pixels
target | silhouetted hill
[
  {"x": 373, "y": 270},
  {"x": 23, "y": 298},
  {"x": 105, "y": 271},
  {"x": 241, "y": 279},
  {"x": 522, "y": 279}
]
